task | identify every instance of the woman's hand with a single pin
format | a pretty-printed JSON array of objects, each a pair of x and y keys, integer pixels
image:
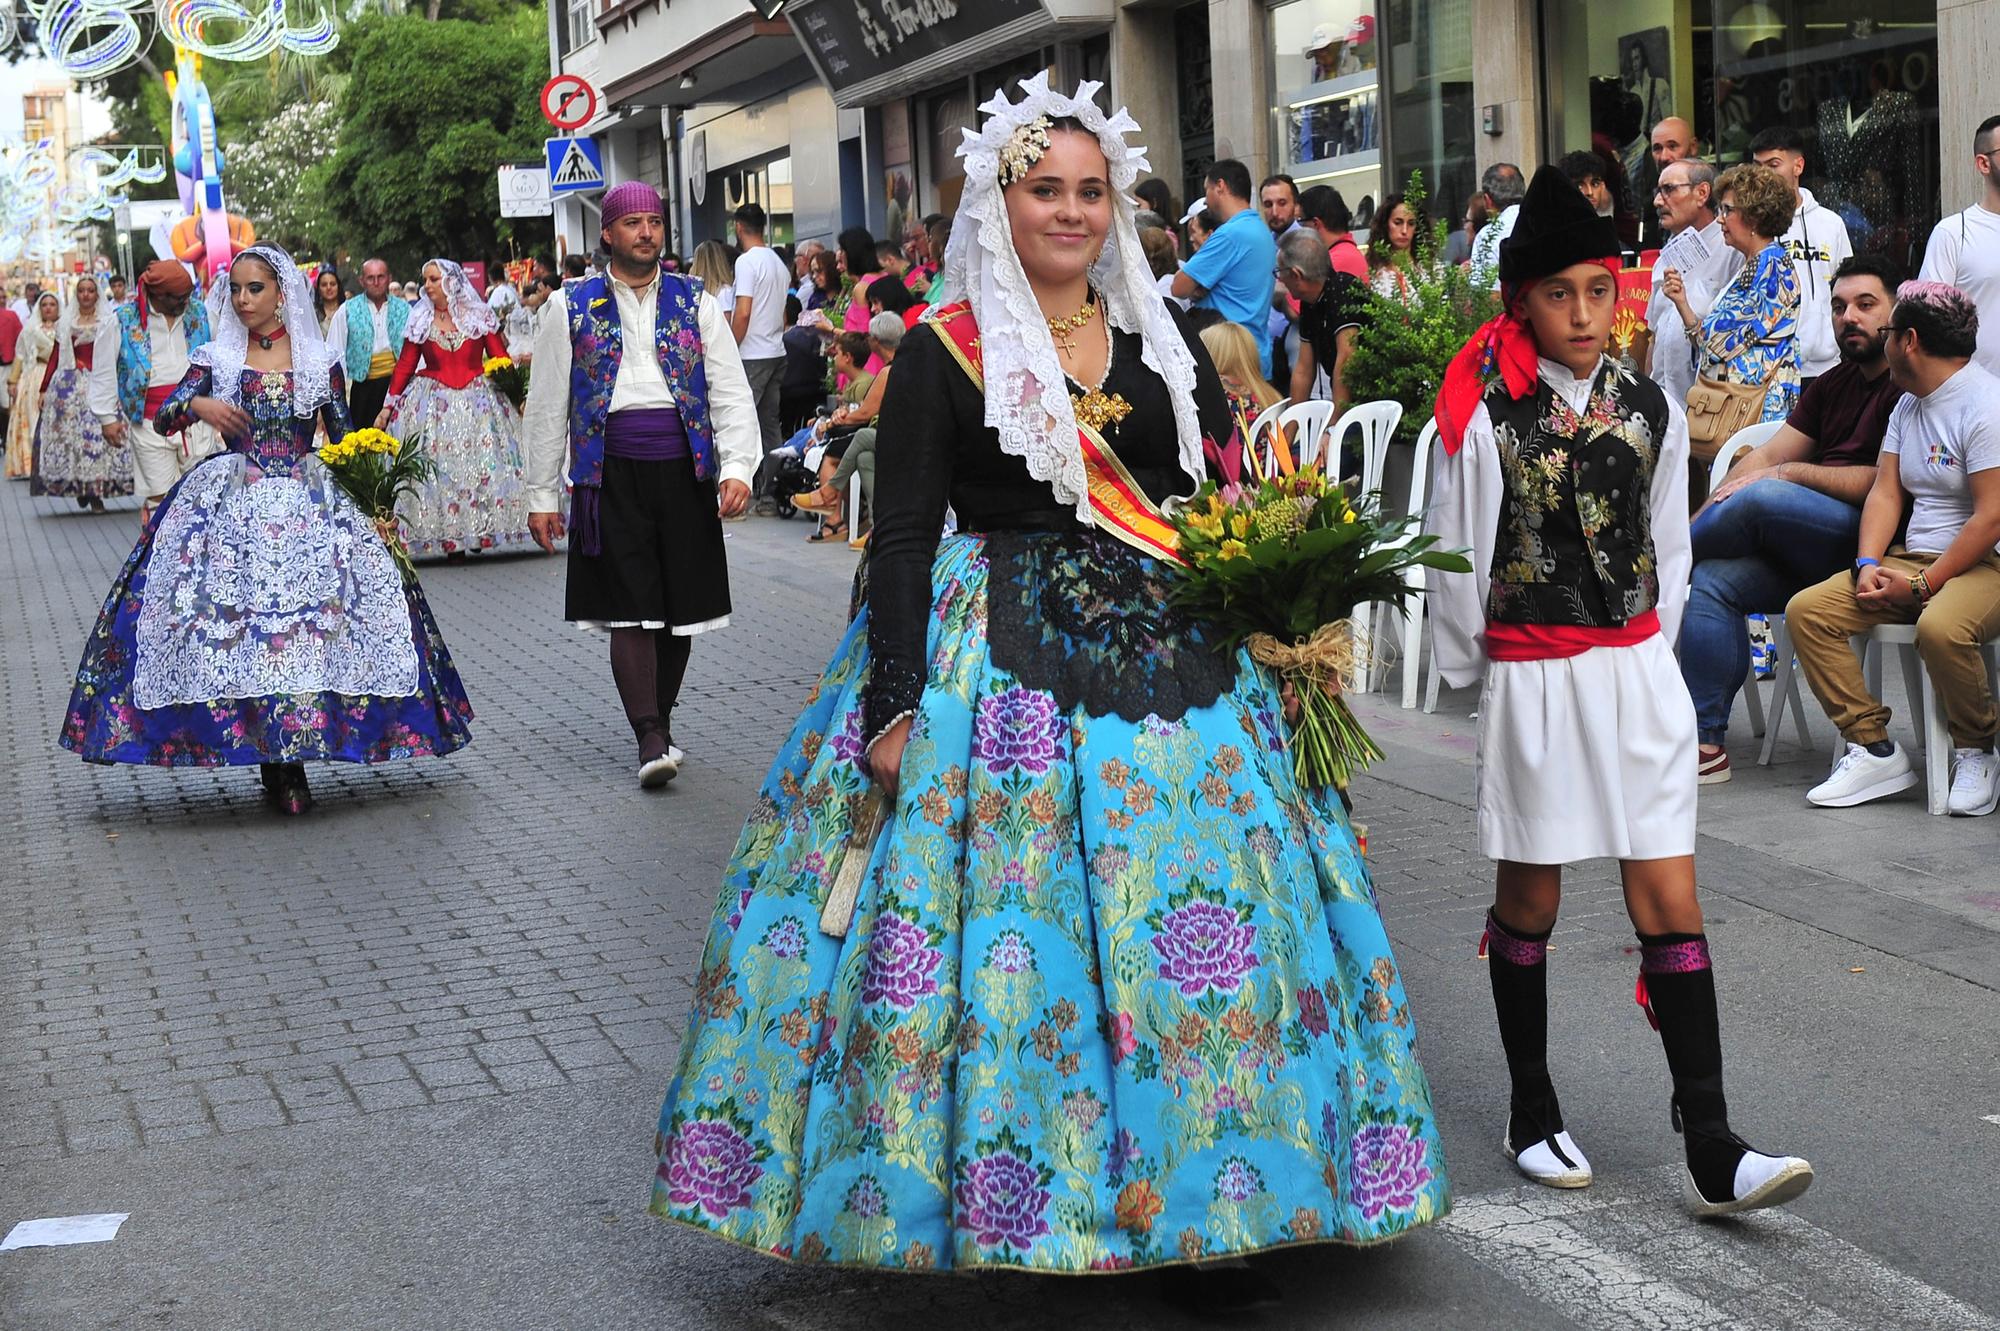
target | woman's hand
[
  {"x": 885, "y": 757},
  {"x": 382, "y": 419},
  {"x": 233, "y": 422},
  {"x": 1288, "y": 698}
]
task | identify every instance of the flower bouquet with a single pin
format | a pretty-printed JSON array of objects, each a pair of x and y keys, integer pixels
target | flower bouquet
[
  {"x": 507, "y": 378},
  {"x": 375, "y": 469},
  {"x": 1278, "y": 567}
]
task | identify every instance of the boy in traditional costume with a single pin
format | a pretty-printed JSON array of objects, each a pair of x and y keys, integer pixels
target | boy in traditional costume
[{"x": 1565, "y": 475}]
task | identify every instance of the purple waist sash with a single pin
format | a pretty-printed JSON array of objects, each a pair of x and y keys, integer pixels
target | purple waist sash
[{"x": 638, "y": 434}]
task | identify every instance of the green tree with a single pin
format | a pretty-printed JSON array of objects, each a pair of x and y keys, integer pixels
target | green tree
[
  {"x": 430, "y": 110},
  {"x": 1407, "y": 340},
  {"x": 277, "y": 177}
]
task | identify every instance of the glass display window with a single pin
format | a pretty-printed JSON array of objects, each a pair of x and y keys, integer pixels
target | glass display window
[{"x": 1328, "y": 105}]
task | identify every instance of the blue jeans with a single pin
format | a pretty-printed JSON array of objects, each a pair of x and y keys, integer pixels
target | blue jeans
[{"x": 1752, "y": 551}]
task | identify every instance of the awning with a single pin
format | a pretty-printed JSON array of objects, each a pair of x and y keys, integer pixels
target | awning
[
  {"x": 745, "y": 49},
  {"x": 872, "y": 51}
]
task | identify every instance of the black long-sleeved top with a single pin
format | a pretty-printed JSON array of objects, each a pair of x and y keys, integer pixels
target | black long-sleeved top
[{"x": 934, "y": 448}]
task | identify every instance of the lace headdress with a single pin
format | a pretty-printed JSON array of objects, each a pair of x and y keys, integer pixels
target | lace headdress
[
  {"x": 1027, "y": 400},
  {"x": 312, "y": 359},
  {"x": 468, "y": 311}
]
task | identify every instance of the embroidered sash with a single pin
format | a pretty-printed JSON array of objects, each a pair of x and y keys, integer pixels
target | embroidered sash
[{"x": 1117, "y": 504}]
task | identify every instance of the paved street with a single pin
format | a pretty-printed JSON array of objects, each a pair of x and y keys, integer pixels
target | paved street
[{"x": 396, "y": 1064}]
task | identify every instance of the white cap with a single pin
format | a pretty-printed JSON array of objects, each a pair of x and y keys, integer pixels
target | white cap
[
  {"x": 1323, "y": 37},
  {"x": 1194, "y": 211}
]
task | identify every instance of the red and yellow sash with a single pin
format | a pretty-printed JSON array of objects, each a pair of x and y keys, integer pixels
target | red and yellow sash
[{"x": 1117, "y": 504}]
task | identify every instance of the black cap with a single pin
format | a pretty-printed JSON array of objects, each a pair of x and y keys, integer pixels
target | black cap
[{"x": 1555, "y": 228}]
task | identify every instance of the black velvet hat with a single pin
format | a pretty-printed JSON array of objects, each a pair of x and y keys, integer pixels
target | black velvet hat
[{"x": 1555, "y": 228}]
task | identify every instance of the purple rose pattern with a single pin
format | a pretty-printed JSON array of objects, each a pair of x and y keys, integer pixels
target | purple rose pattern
[
  {"x": 1202, "y": 946},
  {"x": 1387, "y": 1170},
  {"x": 1019, "y": 729},
  {"x": 710, "y": 1165},
  {"x": 902, "y": 964},
  {"x": 1001, "y": 1199}
]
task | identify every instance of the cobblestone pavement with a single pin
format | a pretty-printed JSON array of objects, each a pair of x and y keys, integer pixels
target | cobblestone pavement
[{"x": 396, "y": 1063}]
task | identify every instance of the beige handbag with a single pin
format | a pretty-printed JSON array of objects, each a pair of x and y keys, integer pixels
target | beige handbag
[{"x": 1717, "y": 410}]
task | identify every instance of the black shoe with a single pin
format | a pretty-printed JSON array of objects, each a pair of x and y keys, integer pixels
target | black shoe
[
  {"x": 288, "y": 788},
  {"x": 1219, "y": 1290}
]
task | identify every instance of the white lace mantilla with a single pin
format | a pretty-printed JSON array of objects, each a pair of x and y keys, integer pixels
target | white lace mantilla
[{"x": 269, "y": 588}]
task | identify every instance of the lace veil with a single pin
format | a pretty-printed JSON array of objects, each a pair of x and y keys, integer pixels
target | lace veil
[
  {"x": 1027, "y": 401},
  {"x": 471, "y": 314},
  {"x": 312, "y": 359}
]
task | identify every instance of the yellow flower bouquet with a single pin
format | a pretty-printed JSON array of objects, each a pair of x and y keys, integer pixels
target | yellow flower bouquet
[
  {"x": 1278, "y": 567},
  {"x": 508, "y": 379},
  {"x": 376, "y": 469}
]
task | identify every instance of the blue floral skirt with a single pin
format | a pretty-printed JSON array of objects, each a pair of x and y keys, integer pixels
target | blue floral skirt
[
  {"x": 261, "y": 619},
  {"x": 1115, "y": 994}
]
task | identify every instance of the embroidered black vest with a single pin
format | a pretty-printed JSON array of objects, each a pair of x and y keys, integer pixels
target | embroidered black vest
[{"x": 1575, "y": 545}]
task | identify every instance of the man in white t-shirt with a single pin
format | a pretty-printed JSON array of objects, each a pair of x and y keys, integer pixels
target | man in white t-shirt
[
  {"x": 1817, "y": 243},
  {"x": 1942, "y": 452},
  {"x": 1965, "y": 248},
  {"x": 1504, "y": 187},
  {"x": 758, "y": 321}
]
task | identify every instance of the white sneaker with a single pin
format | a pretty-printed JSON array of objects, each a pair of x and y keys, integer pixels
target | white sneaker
[
  {"x": 1761, "y": 1180},
  {"x": 658, "y": 771},
  {"x": 1544, "y": 1166},
  {"x": 1860, "y": 776},
  {"x": 1975, "y": 783}
]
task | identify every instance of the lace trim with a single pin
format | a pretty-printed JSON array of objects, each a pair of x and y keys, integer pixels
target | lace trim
[
  {"x": 472, "y": 316},
  {"x": 1087, "y": 619},
  {"x": 226, "y": 351}
]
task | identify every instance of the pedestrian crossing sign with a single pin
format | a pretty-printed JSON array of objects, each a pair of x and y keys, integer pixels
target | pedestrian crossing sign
[{"x": 576, "y": 166}]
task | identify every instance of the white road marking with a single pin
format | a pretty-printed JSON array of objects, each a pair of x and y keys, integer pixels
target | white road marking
[
  {"x": 1628, "y": 1258},
  {"x": 59, "y": 1231},
  {"x": 1991, "y": 1118}
]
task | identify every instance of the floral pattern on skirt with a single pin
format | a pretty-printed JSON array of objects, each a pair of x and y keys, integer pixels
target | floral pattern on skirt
[
  {"x": 1116, "y": 994},
  {"x": 73, "y": 459},
  {"x": 477, "y": 500}
]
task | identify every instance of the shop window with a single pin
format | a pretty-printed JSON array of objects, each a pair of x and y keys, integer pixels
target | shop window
[
  {"x": 1428, "y": 77},
  {"x": 1328, "y": 103},
  {"x": 1857, "y": 78}
]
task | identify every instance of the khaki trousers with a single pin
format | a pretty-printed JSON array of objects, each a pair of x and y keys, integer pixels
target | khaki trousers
[{"x": 1951, "y": 630}]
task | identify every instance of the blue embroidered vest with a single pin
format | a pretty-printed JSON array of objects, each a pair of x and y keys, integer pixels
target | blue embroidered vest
[
  {"x": 596, "y": 350},
  {"x": 361, "y": 334},
  {"x": 135, "y": 353}
]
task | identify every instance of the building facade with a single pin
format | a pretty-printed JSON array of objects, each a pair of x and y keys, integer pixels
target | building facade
[{"x": 834, "y": 113}]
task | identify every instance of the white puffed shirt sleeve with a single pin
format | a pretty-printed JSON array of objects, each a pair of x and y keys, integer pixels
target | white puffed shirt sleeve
[
  {"x": 1464, "y": 514},
  {"x": 101, "y": 388},
  {"x": 732, "y": 412},
  {"x": 545, "y": 422},
  {"x": 1673, "y": 550},
  {"x": 336, "y": 332}
]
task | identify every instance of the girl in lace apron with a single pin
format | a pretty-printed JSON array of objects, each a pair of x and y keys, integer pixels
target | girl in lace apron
[{"x": 261, "y": 618}]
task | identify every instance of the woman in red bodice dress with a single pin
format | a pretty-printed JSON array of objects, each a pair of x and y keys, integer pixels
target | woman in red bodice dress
[{"x": 476, "y": 501}]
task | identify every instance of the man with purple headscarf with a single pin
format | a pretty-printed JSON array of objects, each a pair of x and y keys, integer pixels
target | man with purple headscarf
[{"x": 662, "y": 443}]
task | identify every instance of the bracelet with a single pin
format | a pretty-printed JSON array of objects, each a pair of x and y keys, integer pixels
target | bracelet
[
  {"x": 1920, "y": 587},
  {"x": 1866, "y": 562}
]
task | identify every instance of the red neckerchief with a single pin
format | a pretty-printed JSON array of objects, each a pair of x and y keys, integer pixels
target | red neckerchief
[{"x": 1504, "y": 347}]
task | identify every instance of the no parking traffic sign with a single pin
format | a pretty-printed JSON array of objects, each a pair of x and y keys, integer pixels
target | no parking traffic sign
[{"x": 568, "y": 102}]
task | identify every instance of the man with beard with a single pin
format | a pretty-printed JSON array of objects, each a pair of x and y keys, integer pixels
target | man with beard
[
  {"x": 1789, "y": 513},
  {"x": 138, "y": 359},
  {"x": 639, "y": 382}
]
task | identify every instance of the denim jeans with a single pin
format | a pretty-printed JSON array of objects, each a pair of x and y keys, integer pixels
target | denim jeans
[{"x": 1752, "y": 551}]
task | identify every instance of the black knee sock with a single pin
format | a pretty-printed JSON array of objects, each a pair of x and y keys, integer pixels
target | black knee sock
[
  {"x": 1680, "y": 987},
  {"x": 671, "y": 652},
  {"x": 1517, "y": 963},
  {"x": 635, "y": 670}
]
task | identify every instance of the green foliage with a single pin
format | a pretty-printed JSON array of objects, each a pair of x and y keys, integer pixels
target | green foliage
[
  {"x": 277, "y": 177},
  {"x": 1406, "y": 340},
  {"x": 429, "y": 111}
]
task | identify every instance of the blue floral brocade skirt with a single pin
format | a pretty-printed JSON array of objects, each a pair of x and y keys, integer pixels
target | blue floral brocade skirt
[{"x": 1116, "y": 993}]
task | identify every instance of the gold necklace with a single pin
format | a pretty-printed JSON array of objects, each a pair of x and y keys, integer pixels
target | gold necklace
[{"x": 1063, "y": 328}]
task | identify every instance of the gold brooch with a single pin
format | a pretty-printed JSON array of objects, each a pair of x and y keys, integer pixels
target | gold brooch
[
  {"x": 1096, "y": 409},
  {"x": 1024, "y": 147}
]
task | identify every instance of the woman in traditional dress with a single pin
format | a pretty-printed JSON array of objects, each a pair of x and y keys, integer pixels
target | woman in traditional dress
[
  {"x": 1566, "y": 476},
  {"x": 1114, "y": 993},
  {"x": 476, "y": 501},
  {"x": 34, "y": 352},
  {"x": 73, "y": 459},
  {"x": 261, "y": 618}
]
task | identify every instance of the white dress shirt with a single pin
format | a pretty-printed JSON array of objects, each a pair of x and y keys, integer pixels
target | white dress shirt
[
  {"x": 732, "y": 413},
  {"x": 170, "y": 361},
  {"x": 1486, "y": 246},
  {"x": 1707, "y": 265}
]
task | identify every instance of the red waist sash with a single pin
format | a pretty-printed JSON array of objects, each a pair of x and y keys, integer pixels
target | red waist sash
[{"x": 1554, "y": 642}]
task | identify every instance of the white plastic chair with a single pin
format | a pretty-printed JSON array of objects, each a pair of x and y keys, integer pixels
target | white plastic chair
[
  {"x": 1417, "y": 579},
  {"x": 1262, "y": 452},
  {"x": 1307, "y": 421},
  {"x": 1376, "y": 422}
]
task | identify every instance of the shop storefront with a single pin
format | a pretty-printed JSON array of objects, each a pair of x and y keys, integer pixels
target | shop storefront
[
  {"x": 781, "y": 153},
  {"x": 1327, "y": 98},
  {"x": 1858, "y": 78}
]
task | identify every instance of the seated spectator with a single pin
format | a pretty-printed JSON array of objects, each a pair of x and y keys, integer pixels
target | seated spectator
[
  {"x": 1392, "y": 248},
  {"x": 1750, "y": 334},
  {"x": 889, "y": 257},
  {"x": 937, "y": 235},
  {"x": 803, "y": 387},
  {"x": 885, "y": 336},
  {"x": 1942, "y": 452},
  {"x": 1322, "y": 209},
  {"x": 896, "y": 299},
  {"x": 1161, "y": 259},
  {"x": 1331, "y": 306},
  {"x": 1235, "y": 356},
  {"x": 1156, "y": 195},
  {"x": 1789, "y": 513}
]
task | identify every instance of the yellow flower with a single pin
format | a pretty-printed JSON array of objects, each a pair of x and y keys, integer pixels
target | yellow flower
[
  {"x": 1348, "y": 516},
  {"x": 494, "y": 363},
  {"x": 1234, "y": 550},
  {"x": 1239, "y": 525},
  {"x": 1207, "y": 524}
]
